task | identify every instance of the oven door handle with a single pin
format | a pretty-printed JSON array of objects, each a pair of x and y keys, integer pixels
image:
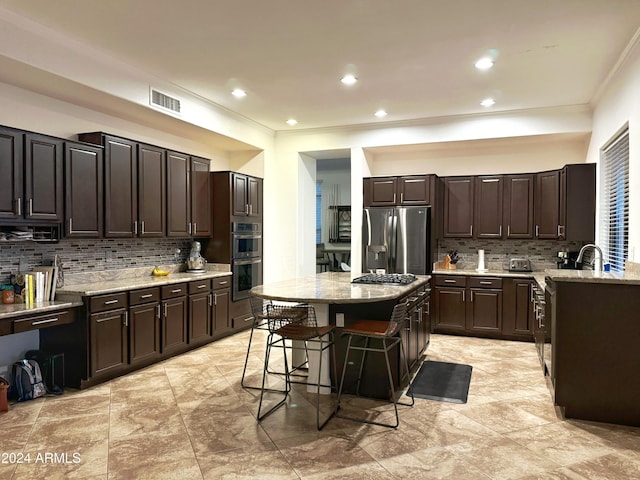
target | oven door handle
[{"x": 248, "y": 261}]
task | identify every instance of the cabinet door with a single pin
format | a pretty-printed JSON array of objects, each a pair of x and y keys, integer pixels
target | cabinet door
[
  {"x": 108, "y": 341},
  {"x": 485, "y": 311},
  {"x": 221, "y": 299},
  {"x": 450, "y": 309},
  {"x": 178, "y": 195},
  {"x": 84, "y": 207},
  {"x": 547, "y": 201},
  {"x": 414, "y": 190},
  {"x": 518, "y": 205},
  {"x": 524, "y": 317},
  {"x": 174, "y": 324},
  {"x": 43, "y": 170},
  {"x": 11, "y": 180},
  {"x": 578, "y": 203},
  {"x": 458, "y": 207},
  {"x": 201, "y": 197},
  {"x": 152, "y": 205},
  {"x": 240, "y": 186},
  {"x": 382, "y": 191},
  {"x": 254, "y": 196},
  {"x": 488, "y": 207},
  {"x": 121, "y": 187},
  {"x": 426, "y": 322},
  {"x": 144, "y": 333},
  {"x": 199, "y": 317}
]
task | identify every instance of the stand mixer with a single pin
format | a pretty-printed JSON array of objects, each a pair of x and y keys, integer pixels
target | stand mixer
[{"x": 195, "y": 262}]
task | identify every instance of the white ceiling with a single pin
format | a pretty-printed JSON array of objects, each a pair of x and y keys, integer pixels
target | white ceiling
[{"x": 413, "y": 58}]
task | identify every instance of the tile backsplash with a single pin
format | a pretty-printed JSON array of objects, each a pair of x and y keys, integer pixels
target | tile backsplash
[
  {"x": 79, "y": 256},
  {"x": 541, "y": 253}
]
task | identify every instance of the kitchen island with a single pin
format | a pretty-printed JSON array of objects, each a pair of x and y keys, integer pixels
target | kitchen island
[{"x": 339, "y": 302}]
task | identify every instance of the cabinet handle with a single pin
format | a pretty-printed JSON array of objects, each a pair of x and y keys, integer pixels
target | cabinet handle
[
  {"x": 202, "y": 286},
  {"x": 419, "y": 315},
  {"x": 428, "y": 305},
  {"x": 484, "y": 282},
  {"x": 223, "y": 283},
  {"x": 560, "y": 230},
  {"x": 158, "y": 312},
  {"x": 147, "y": 295},
  {"x": 165, "y": 310},
  {"x": 471, "y": 232},
  {"x": 246, "y": 209},
  {"x": 537, "y": 230},
  {"x": 463, "y": 299},
  {"x": 210, "y": 299},
  {"x": 135, "y": 227},
  {"x": 71, "y": 225},
  {"x": 215, "y": 299},
  {"x": 19, "y": 206},
  {"x": 500, "y": 233},
  {"x": 394, "y": 198},
  {"x": 471, "y": 296},
  {"x": 446, "y": 280},
  {"x": 508, "y": 231},
  {"x": 176, "y": 290},
  {"x": 111, "y": 302},
  {"x": 189, "y": 228},
  {"x": 142, "y": 227},
  {"x": 195, "y": 228},
  {"x": 31, "y": 207},
  {"x": 40, "y": 322},
  {"x": 126, "y": 319},
  {"x": 401, "y": 197}
]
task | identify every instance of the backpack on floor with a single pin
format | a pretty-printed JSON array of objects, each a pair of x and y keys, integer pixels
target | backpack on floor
[
  {"x": 45, "y": 362},
  {"x": 27, "y": 380}
]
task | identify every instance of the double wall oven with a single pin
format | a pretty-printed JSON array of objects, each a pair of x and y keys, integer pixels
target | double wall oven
[{"x": 246, "y": 261}]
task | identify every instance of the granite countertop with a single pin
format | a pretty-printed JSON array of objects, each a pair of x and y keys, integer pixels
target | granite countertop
[
  {"x": 104, "y": 286},
  {"x": 20, "y": 309},
  {"x": 333, "y": 287}
]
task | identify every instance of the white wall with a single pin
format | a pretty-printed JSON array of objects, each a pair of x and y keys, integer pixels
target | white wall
[{"x": 618, "y": 106}]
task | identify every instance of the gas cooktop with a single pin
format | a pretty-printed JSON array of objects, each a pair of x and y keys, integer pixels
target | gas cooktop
[{"x": 386, "y": 279}]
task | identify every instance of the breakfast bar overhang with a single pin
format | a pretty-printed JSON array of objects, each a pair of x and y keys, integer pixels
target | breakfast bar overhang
[{"x": 338, "y": 301}]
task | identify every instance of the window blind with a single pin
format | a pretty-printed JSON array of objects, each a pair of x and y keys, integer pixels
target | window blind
[{"x": 614, "y": 201}]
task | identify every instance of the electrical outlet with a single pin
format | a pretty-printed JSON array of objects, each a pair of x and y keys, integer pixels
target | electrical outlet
[{"x": 339, "y": 319}]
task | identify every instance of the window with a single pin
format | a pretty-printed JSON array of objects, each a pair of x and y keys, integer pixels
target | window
[
  {"x": 614, "y": 201},
  {"x": 318, "y": 212}
]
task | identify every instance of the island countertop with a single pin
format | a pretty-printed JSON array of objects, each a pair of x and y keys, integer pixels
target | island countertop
[{"x": 333, "y": 288}]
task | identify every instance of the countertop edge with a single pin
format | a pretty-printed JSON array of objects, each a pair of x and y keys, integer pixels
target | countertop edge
[{"x": 21, "y": 310}]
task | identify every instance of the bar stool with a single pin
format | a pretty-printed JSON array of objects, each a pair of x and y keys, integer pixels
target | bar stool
[
  {"x": 387, "y": 335},
  {"x": 261, "y": 310},
  {"x": 295, "y": 324}
]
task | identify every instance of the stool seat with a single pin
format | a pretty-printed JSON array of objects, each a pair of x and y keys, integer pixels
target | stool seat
[
  {"x": 302, "y": 332},
  {"x": 364, "y": 328}
]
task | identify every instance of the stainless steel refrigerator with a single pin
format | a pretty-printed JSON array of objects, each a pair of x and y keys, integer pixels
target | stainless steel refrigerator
[{"x": 396, "y": 240}]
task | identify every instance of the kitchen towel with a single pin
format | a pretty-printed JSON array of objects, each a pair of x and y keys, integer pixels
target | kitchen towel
[{"x": 481, "y": 266}]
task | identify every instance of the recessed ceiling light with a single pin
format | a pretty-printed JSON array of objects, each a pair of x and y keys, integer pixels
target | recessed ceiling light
[
  {"x": 485, "y": 63},
  {"x": 488, "y": 102},
  {"x": 380, "y": 113},
  {"x": 349, "y": 79},
  {"x": 238, "y": 93},
  {"x": 292, "y": 122}
]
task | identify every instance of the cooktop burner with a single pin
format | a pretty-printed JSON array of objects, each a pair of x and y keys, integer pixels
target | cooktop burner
[{"x": 386, "y": 278}]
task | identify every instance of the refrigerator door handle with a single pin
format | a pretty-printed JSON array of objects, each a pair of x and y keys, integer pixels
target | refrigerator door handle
[{"x": 368, "y": 215}]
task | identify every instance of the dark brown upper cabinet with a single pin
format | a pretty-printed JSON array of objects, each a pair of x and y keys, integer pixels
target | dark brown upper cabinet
[
  {"x": 547, "y": 201},
  {"x": 152, "y": 200},
  {"x": 488, "y": 207},
  {"x": 458, "y": 206},
  {"x": 518, "y": 205},
  {"x": 392, "y": 191},
  {"x": 178, "y": 195},
  {"x": 201, "y": 197},
  {"x": 11, "y": 180},
  {"x": 578, "y": 202},
  {"x": 84, "y": 206},
  {"x": 32, "y": 178},
  {"x": 247, "y": 195}
]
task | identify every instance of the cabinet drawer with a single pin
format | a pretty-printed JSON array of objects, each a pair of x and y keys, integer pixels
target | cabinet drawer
[
  {"x": 101, "y": 303},
  {"x": 176, "y": 290},
  {"x": 42, "y": 321},
  {"x": 241, "y": 321},
  {"x": 222, "y": 282},
  {"x": 200, "y": 286},
  {"x": 485, "y": 282},
  {"x": 144, "y": 295},
  {"x": 451, "y": 280}
]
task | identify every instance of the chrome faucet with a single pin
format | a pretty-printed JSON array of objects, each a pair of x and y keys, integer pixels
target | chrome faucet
[{"x": 595, "y": 247}]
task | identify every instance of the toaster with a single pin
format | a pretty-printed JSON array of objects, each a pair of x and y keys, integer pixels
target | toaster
[{"x": 519, "y": 265}]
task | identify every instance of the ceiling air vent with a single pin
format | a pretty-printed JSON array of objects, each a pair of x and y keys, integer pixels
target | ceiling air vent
[{"x": 162, "y": 100}]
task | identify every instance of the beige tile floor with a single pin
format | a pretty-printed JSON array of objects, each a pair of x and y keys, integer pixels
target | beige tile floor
[{"x": 188, "y": 418}]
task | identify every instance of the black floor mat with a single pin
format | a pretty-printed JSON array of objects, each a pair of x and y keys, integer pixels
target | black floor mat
[{"x": 445, "y": 382}]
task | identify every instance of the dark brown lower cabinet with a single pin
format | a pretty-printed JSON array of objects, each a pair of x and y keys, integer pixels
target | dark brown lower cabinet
[
  {"x": 144, "y": 333},
  {"x": 108, "y": 341},
  {"x": 451, "y": 310},
  {"x": 174, "y": 318},
  {"x": 220, "y": 311},
  {"x": 200, "y": 317},
  {"x": 518, "y": 316},
  {"x": 484, "y": 312}
]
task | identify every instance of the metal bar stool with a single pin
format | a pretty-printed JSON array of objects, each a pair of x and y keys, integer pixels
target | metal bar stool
[
  {"x": 295, "y": 324},
  {"x": 261, "y": 311},
  {"x": 387, "y": 335}
]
